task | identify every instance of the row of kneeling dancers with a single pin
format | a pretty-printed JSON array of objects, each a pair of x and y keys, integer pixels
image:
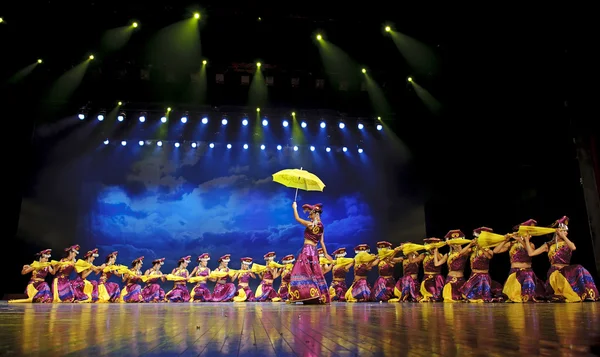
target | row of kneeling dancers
[{"x": 565, "y": 282}]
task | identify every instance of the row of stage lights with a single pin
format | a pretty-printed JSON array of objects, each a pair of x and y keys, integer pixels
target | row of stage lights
[
  {"x": 225, "y": 121},
  {"x": 195, "y": 145}
]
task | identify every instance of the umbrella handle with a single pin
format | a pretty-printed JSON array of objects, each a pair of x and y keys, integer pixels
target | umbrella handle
[{"x": 296, "y": 195}]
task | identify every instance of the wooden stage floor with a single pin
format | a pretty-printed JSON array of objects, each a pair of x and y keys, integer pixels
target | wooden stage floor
[{"x": 276, "y": 329}]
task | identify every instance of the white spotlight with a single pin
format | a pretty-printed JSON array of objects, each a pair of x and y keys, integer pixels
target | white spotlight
[
  {"x": 159, "y": 143},
  {"x": 323, "y": 125},
  {"x": 344, "y": 149},
  {"x": 120, "y": 117},
  {"x": 303, "y": 124},
  {"x": 184, "y": 120},
  {"x": 342, "y": 125},
  {"x": 229, "y": 146},
  {"x": 100, "y": 117},
  {"x": 262, "y": 147},
  {"x": 312, "y": 148},
  {"x": 285, "y": 123},
  {"x": 245, "y": 122},
  {"x": 141, "y": 142},
  {"x": 245, "y": 146},
  {"x": 123, "y": 143},
  {"x": 176, "y": 145},
  {"x": 265, "y": 122},
  {"x": 295, "y": 148},
  {"x": 106, "y": 142},
  {"x": 194, "y": 145},
  {"x": 361, "y": 126},
  {"x": 81, "y": 116},
  {"x": 211, "y": 145},
  {"x": 379, "y": 127},
  {"x": 360, "y": 151},
  {"x": 279, "y": 147},
  {"x": 163, "y": 119},
  {"x": 224, "y": 121},
  {"x": 328, "y": 149},
  {"x": 205, "y": 120}
]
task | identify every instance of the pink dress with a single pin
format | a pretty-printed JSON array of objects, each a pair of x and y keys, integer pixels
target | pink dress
[
  {"x": 383, "y": 290},
  {"x": 152, "y": 292},
  {"x": 180, "y": 292},
  {"x": 200, "y": 292},
  {"x": 338, "y": 288},
  {"x": 433, "y": 281},
  {"x": 265, "y": 289},
  {"x": 224, "y": 289}
]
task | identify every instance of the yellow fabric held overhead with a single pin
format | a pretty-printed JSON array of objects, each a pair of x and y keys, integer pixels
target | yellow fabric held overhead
[
  {"x": 458, "y": 241},
  {"x": 535, "y": 231},
  {"x": 489, "y": 239}
]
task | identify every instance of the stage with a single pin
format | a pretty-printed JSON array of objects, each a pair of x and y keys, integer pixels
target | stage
[{"x": 278, "y": 329}]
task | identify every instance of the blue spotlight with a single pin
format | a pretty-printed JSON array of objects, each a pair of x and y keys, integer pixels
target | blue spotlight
[
  {"x": 194, "y": 145},
  {"x": 81, "y": 116},
  {"x": 245, "y": 146},
  {"x": 279, "y": 147},
  {"x": 285, "y": 123},
  {"x": 245, "y": 122},
  {"x": 159, "y": 143},
  {"x": 229, "y": 146},
  {"x": 342, "y": 125},
  {"x": 344, "y": 149},
  {"x": 303, "y": 124},
  {"x": 262, "y": 147},
  {"x": 176, "y": 145},
  {"x": 265, "y": 122},
  {"x": 184, "y": 120},
  {"x": 328, "y": 149},
  {"x": 295, "y": 148},
  {"x": 123, "y": 143},
  {"x": 211, "y": 145},
  {"x": 224, "y": 121},
  {"x": 163, "y": 120},
  {"x": 100, "y": 117},
  {"x": 142, "y": 119},
  {"x": 204, "y": 120},
  {"x": 106, "y": 142},
  {"x": 120, "y": 117},
  {"x": 141, "y": 142},
  {"x": 323, "y": 125},
  {"x": 360, "y": 151},
  {"x": 312, "y": 148},
  {"x": 379, "y": 127}
]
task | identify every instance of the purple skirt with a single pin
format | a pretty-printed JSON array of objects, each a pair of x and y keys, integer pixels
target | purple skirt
[
  {"x": 266, "y": 291},
  {"x": 407, "y": 289},
  {"x": 153, "y": 293},
  {"x": 249, "y": 293},
  {"x": 383, "y": 290},
  {"x": 338, "y": 290},
  {"x": 201, "y": 292},
  {"x": 179, "y": 293},
  {"x": 80, "y": 291},
  {"x": 44, "y": 294},
  {"x": 359, "y": 291},
  {"x": 132, "y": 293},
  {"x": 432, "y": 287},
  {"x": 523, "y": 285},
  {"x": 580, "y": 281},
  {"x": 109, "y": 292},
  {"x": 481, "y": 288},
  {"x": 451, "y": 291},
  {"x": 62, "y": 290},
  {"x": 223, "y": 292},
  {"x": 284, "y": 292},
  {"x": 307, "y": 282}
]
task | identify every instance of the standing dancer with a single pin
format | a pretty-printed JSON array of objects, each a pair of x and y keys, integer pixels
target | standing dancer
[
  {"x": 201, "y": 292},
  {"x": 522, "y": 284},
  {"x": 109, "y": 291},
  {"x": 570, "y": 283},
  {"x": 152, "y": 292},
  {"x": 224, "y": 289},
  {"x": 86, "y": 290},
  {"x": 457, "y": 260},
  {"x": 244, "y": 293},
  {"x": 179, "y": 276},
  {"x": 433, "y": 281},
  {"x": 37, "y": 289},
  {"x": 265, "y": 291},
  {"x": 360, "y": 291},
  {"x": 407, "y": 287},
  {"x": 286, "y": 275},
  {"x": 341, "y": 267},
  {"x": 307, "y": 283},
  {"x": 132, "y": 292},
  {"x": 383, "y": 290},
  {"x": 62, "y": 286}
]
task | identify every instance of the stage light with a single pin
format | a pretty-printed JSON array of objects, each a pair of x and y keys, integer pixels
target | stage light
[
  {"x": 378, "y": 118},
  {"x": 303, "y": 124},
  {"x": 265, "y": 122},
  {"x": 262, "y": 147},
  {"x": 204, "y": 62},
  {"x": 344, "y": 149},
  {"x": 319, "y": 37},
  {"x": 141, "y": 142},
  {"x": 224, "y": 121},
  {"x": 81, "y": 116},
  {"x": 328, "y": 149},
  {"x": 361, "y": 126},
  {"x": 229, "y": 146},
  {"x": 197, "y": 15},
  {"x": 194, "y": 145},
  {"x": 135, "y": 24},
  {"x": 100, "y": 117},
  {"x": 91, "y": 57},
  {"x": 119, "y": 103},
  {"x": 245, "y": 122},
  {"x": 258, "y": 110},
  {"x": 285, "y": 123},
  {"x": 39, "y": 61},
  {"x": 245, "y": 146},
  {"x": 379, "y": 127},
  {"x": 388, "y": 29},
  {"x": 123, "y": 143},
  {"x": 410, "y": 79},
  {"x": 106, "y": 142},
  {"x": 142, "y": 118},
  {"x": 342, "y": 125},
  {"x": 323, "y": 125},
  {"x": 312, "y": 148},
  {"x": 205, "y": 120},
  {"x": 364, "y": 70},
  {"x": 295, "y": 148},
  {"x": 184, "y": 120},
  {"x": 258, "y": 64},
  {"x": 159, "y": 143},
  {"x": 176, "y": 145},
  {"x": 293, "y": 114},
  {"x": 360, "y": 151},
  {"x": 1, "y": 20},
  {"x": 163, "y": 119},
  {"x": 168, "y": 109},
  {"x": 211, "y": 145},
  {"x": 279, "y": 147}
]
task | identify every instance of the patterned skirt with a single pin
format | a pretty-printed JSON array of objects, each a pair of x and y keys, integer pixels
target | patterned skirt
[
  {"x": 85, "y": 290},
  {"x": 307, "y": 282},
  {"x": 108, "y": 292},
  {"x": 62, "y": 290},
  {"x": 432, "y": 287},
  {"x": 523, "y": 285},
  {"x": 383, "y": 290},
  {"x": 572, "y": 283},
  {"x": 37, "y": 292},
  {"x": 153, "y": 293},
  {"x": 179, "y": 293},
  {"x": 359, "y": 291},
  {"x": 132, "y": 293},
  {"x": 200, "y": 292},
  {"x": 451, "y": 291},
  {"x": 223, "y": 292},
  {"x": 481, "y": 288},
  {"x": 337, "y": 290},
  {"x": 407, "y": 290}
]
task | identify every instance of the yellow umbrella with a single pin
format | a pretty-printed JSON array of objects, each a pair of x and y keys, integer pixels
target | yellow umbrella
[{"x": 299, "y": 179}]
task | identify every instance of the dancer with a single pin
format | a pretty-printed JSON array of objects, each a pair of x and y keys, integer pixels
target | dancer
[
  {"x": 383, "y": 290},
  {"x": 244, "y": 293},
  {"x": 37, "y": 289},
  {"x": 62, "y": 286},
  {"x": 286, "y": 275},
  {"x": 201, "y": 292},
  {"x": 179, "y": 276},
  {"x": 152, "y": 292},
  {"x": 433, "y": 281},
  {"x": 86, "y": 290},
  {"x": 109, "y": 291},
  {"x": 324, "y": 262},
  {"x": 522, "y": 284},
  {"x": 265, "y": 291},
  {"x": 224, "y": 289},
  {"x": 456, "y": 259},
  {"x": 341, "y": 267},
  {"x": 480, "y": 287},
  {"x": 360, "y": 291},
  {"x": 132, "y": 292},
  {"x": 570, "y": 283},
  {"x": 407, "y": 288}
]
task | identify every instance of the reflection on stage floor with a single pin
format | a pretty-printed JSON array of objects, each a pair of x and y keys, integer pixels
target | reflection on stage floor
[{"x": 277, "y": 329}]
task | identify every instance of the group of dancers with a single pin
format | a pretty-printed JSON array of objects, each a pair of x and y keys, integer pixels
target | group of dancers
[{"x": 303, "y": 280}]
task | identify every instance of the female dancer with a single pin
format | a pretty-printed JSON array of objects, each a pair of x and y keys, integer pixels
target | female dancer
[
  {"x": 132, "y": 292},
  {"x": 224, "y": 289},
  {"x": 433, "y": 281},
  {"x": 480, "y": 287},
  {"x": 383, "y": 290},
  {"x": 307, "y": 283},
  {"x": 360, "y": 291},
  {"x": 37, "y": 289},
  {"x": 286, "y": 275},
  {"x": 201, "y": 292},
  {"x": 456, "y": 259},
  {"x": 62, "y": 286},
  {"x": 180, "y": 292},
  {"x": 265, "y": 291},
  {"x": 244, "y": 293},
  {"x": 570, "y": 283},
  {"x": 522, "y": 284},
  {"x": 86, "y": 290},
  {"x": 406, "y": 289},
  {"x": 338, "y": 288},
  {"x": 109, "y": 291},
  {"x": 152, "y": 292}
]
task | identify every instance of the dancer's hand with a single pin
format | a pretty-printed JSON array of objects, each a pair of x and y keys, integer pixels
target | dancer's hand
[
  {"x": 294, "y": 205},
  {"x": 329, "y": 257}
]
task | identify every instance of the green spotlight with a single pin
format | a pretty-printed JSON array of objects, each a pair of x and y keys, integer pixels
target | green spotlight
[
  {"x": 197, "y": 15},
  {"x": 410, "y": 79},
  {"x": 91, "y": 57},
  {"x": 204, "y": 62},
  {"x": 120, "y": 103},
  {"x": 135, "y": 24},
  {"x": 364, "y": 70},
  {"x": 258, "y": 110},
  {"x": 388, "y": 29},
  {"x": 319, "y": 37},
  {"x": 40, "y": 60},
  {"x": 258, "y": 64}
]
